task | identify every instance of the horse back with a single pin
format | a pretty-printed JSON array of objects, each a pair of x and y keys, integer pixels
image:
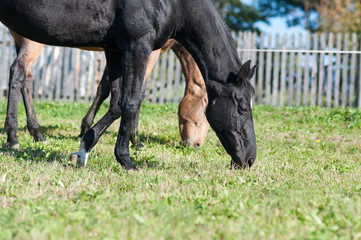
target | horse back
[{"x": 93, "y": 23}]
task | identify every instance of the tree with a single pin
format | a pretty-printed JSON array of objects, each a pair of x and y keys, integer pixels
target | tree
[
  {"x": 297, "y": 12},
  {"x": 342, "y": 16},
  {"x": 239, "y": 16}
]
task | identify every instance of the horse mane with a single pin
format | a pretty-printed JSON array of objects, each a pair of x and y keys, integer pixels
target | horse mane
[
  {"x": 232, "y": 42},
  {"x": 229, "y": 36}
]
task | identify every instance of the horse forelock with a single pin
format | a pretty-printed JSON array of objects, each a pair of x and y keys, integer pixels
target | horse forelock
[{"x": 248, "y": 88}]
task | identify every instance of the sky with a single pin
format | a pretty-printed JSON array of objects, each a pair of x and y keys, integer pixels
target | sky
[{"x": 277, "y": 25}]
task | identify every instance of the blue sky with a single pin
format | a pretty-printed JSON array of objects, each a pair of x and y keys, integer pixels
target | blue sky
[{"x": 277, "y": 25}]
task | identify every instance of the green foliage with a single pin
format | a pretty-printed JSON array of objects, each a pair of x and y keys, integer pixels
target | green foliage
[
  {"x": 297, "y": 12},
  {"x": 239, "y": 16},
  {"x": 304, "y": 184}
]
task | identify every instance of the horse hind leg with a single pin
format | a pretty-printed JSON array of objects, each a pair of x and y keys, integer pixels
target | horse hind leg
[
  {"x": 103, "y": 92},
  {"x": 151, "y": 62},
  {"x": 17, "y": 76},
  {"x": 27, "y": 53},
  {"x": 32, "y": 122}
]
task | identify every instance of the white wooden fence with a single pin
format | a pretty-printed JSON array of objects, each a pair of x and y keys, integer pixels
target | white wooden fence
[{"x": 312, "y": 70}]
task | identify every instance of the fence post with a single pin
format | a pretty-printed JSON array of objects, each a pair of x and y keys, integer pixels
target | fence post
[
  {"x": 291, "y": 72},
  {"x": 321, "y": 70},
  {"x": 276, "y": 64},
  {"x": 337, "y": 72},
  {"x": 268, "y": 70},
  {"x": 314, "y": 70},
  {"x": 306, "y": 76},
  {"x": 344, "y": 72},
  {"x": 283, "y": 71},
  {"x": 299, "y": 71},
  {"x": 260, "y": 70},
  {"x": 353, "y": 71},
  {"x": 329, "y": 71}
]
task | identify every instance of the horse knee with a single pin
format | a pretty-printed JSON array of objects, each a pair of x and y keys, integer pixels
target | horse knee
[
  {"x": 129, "y": 111},
  {"x": 17, "y": 74},
  {"x": 115, "y": 111}
]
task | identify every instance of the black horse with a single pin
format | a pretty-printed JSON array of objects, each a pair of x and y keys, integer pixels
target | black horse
[{"x": 128, "y": 31}]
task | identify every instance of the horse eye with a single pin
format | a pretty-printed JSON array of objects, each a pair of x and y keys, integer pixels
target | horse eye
[{"x": 242, "y": 108}]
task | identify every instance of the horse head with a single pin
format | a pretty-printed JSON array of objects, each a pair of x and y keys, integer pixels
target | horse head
[
  {"x": 193, "y": 124},
  {"x": 229, "y": 113}
]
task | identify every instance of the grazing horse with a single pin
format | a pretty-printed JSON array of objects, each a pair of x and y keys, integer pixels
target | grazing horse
[
  {"x": 193, "y": 124},
  {"x": 128, "y": 31}
]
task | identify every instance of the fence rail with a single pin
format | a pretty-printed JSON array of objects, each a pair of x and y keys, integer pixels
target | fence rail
[{"x": 319, "y": 69}]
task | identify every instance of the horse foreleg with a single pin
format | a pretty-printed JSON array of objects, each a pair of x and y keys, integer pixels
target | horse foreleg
[
  {"x": 134, "y": 138},
  {"x": 135, "y": 58},
  {"x": 103, "y": 92},
  {"x": 91, "y": 137}
]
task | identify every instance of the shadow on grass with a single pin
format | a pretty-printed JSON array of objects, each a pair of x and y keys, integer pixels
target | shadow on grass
[
  {"x": 35, "y": 155},
  {"x": 40, "y": 153},
  {"x": 2, "y": 130},
  {"x": 46, "y": 130}
]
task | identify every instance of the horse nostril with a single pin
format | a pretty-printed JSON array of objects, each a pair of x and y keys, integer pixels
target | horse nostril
[
  {"x": 197, "y": 145},
  {"x": 250, "y": 162}
]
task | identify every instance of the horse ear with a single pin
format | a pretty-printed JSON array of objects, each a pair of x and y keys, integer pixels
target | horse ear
[
  {"x": 253, "y": 70},
  {"x": 244, "y": 71}
]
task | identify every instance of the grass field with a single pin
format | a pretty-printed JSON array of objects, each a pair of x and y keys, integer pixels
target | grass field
[{"x": 305, "y": 183}]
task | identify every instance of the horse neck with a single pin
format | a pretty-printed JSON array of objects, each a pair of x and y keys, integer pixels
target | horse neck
[{"x": 208, "y": 40}]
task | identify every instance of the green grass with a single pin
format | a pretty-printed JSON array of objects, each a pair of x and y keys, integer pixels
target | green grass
[{"x": 305, "y": 183}]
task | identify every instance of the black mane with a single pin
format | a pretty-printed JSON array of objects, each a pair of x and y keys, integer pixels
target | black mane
[{"x": 228, "y": 35}]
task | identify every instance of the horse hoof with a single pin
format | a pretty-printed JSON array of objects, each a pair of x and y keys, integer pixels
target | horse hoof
[
  {"x": 126, "y": 162},
  {"x": 78, "y": 160},
  {"x": 15, "y": 146},
  {"x": 140, "y": 145},
  {"x": 130, "y": 166}
]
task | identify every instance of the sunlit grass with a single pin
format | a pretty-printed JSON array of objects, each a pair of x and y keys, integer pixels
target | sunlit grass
[{"x": 305, "y": 182}]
